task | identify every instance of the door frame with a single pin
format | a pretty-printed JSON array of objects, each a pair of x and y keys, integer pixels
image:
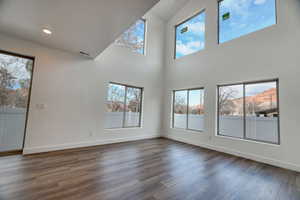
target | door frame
[{"x": 20, "y": 151}]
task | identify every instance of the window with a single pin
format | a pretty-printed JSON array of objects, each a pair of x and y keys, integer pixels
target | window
[
  {"x": 249, "y": 111},
  {"x": 231, "y": 109},
  {"x": 134, "y": 37},
  {"x": 123, "y": 106},
  {"x": 180, "y": 109},
  {"x": 238, "y": 18},
  {"x": 16, "y": 73},
  {"x": 190, "y": 35},
  {"x": 188, "y": 109}
]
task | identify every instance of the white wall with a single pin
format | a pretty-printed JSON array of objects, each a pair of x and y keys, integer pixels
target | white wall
[
  {"x": 269, "y": 53},
  {"x": 73, "y": 90}
]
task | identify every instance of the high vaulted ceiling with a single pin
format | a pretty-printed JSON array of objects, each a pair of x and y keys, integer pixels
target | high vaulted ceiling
[
  {"x": 166, "y": 9},
  {"x": 77, "y": 25}
]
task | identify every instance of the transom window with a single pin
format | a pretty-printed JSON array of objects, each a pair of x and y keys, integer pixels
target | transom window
[
  {"x": 190, "y": 35},
  {"x": 123, "y": 106},
  {"x": 241, "y": 17},
  {"x": 249, "y": 111},
  {"x": 134, "y": 37},
  {"x": 188, "y": 109}
]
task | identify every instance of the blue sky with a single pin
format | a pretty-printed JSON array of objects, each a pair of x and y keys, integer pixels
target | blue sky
[
  {"x": 140, "y": 33},
  {"x": 246, "y": 16},
  {"x": 254, "y": 89},
  {"x": 116, "y": 92},
  {"x": 250, "y": 89},
  {"x": 193, "y": 39},
  {"x": 182, "y": 95},
  {"x": 196, "y": 97}
]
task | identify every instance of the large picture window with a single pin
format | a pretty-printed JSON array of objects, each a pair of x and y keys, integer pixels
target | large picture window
[
  {"x": 249, "y": 111},
  {"x": 15, "y": 85},
  {"x": 134, "y": 37},
  {"x": 190, "y": 35},
  {"x": 123, "y": 106},
  {"x": 238, "y": 18},
  {"x": 188, "y": 109}
]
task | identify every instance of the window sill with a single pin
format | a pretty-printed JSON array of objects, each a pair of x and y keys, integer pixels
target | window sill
[
  {"x": 188, "y": 130},
  {"x": 125, "y": 128},
  {"x": 248, "y": 140}
]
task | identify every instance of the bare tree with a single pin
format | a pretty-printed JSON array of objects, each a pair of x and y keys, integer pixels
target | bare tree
[
  {"x": 116, "y": 98},
  {"x": 180, "y": 105},
  {"x": 130, "y": 39},
  {"x": 134, "y": 101},
  {"x": 196, "y": 110},
  {"x": 15, "y": 76},
  {"x": 226, "y": 97},
  {"x": 6, "y": 82}
]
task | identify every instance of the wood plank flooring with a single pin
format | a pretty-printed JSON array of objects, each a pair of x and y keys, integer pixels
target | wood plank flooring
[{"x": 149, "y": 169}]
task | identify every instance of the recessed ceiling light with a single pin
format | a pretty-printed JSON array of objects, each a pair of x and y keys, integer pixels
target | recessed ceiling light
[{"x": 47, "y": 31}]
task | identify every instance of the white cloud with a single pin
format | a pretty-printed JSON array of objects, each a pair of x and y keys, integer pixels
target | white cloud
[
  {"x": 189, "y": 47},
  {"x": 240, "y": 7},
  {"x": 259, "y": 2},
  {"x": 196, "y": 27}
]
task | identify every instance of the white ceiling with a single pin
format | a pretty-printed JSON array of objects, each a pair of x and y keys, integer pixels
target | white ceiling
[
  {"x": 77, "y": 25},
  {"x": 166, "y": 9}
]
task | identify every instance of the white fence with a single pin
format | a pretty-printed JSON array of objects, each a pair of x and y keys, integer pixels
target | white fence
[
  {"x": 12, "y": 126},
  {"x": 115, "y": 119},
  {"x": 196, "y": 122},
  {"x": 257, "y": 128}
]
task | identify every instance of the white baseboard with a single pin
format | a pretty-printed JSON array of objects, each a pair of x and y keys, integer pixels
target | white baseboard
[
  {"x": 254, "y": 157},
  {"x": 42, "y": 149}
]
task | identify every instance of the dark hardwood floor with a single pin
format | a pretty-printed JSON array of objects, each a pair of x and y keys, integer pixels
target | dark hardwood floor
[{"x": 148, "y": 169}]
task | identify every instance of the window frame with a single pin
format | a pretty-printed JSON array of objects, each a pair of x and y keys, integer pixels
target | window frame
[
  {"x": 182, "y": 22},
  {"x": 218, "y": 21},
  {"x": 9, "y": 53},
  {"x": 187, "y": 106},
  {"x": 145, "y": 32},
  {"x": 244, "y": 111},
  {"x": 125, "y": 102}
]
